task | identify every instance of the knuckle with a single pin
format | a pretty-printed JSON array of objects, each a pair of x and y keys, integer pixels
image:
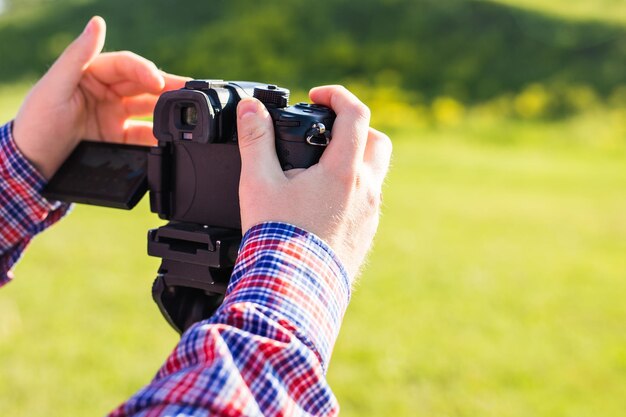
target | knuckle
[
  {"x": 357, "y": 111},
  {"x": 127, "y": 54},
  {"x": 386, "y": 147},
  {"x": 347, "y": 176},
  {"x": 342, "y": 97},
  {"x": 357, "y": 107},
  {"x": 382, "y": 146},
  {"x": 341, "y": 89},
  {"x": 362, "y": 111},
  {"x": 385, "y": 142},
  {"x": 251, "y": 135},
  {"x": 336, "y": 88},
  {"x": 372, "y": 200}
]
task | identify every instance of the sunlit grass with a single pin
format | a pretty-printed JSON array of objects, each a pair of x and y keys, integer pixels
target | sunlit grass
[
  {"x": 613, "y": 11},
  {"x": 495, "y": 288},
  {"x": 11, "y": 95},
  {"x": 82, "y": 329}
]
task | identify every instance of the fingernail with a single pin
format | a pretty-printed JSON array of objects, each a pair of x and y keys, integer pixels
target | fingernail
[{"x": 247, "y": 106}]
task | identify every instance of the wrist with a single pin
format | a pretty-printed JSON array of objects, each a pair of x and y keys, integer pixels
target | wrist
[
  {"x": 294, "y": 277},
  {"x": 18, "y": 165},
  {"x": 32, "y": 150},
  {"x": 24, "y": 210}
]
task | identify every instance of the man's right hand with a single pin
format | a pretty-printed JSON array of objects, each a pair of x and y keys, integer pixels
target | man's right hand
[{"x": 337, "y": 199}]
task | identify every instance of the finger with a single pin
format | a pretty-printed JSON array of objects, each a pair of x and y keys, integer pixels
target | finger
[
  {"x": 138, "y": 132},
  {"x": 129, "y": 89},
  {"x": 94, "y": 87},
  {"x": 378, "y": 154},
  {"x": 256, "y": 141},
  {"x": 139, "y": 106},
  {"x": 132, "y": 88},
  {"x": 127, "y": 69},
  {"x": 350, "y": 129},
  {"x": 64, "y": 75},
  {"x": 173, "y": 82}
]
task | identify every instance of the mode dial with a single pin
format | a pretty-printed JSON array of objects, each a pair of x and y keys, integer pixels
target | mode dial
[{"x": 272, "y": 95}]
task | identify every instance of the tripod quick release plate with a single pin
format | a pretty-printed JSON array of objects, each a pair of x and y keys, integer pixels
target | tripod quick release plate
[{"x": 197, "y": 262}]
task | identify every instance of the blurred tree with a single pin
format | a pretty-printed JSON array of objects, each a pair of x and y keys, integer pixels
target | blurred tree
[{"x": 471, "y": 51}]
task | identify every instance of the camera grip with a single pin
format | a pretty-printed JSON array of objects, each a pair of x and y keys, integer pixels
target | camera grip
[
  {"x": 297, "y": 154},
  {"x": 302, "y": 133}
]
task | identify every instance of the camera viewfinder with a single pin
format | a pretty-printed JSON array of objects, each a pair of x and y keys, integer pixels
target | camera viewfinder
[{"x": 189, "y": 115}]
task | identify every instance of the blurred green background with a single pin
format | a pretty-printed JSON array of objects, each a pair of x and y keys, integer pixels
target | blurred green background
[{"x": 497, "y": 282}]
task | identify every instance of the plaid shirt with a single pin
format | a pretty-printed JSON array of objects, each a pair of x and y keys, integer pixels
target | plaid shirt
[
  {"x": 23, "y": 212},
  {"x": 263, "y": 353}
]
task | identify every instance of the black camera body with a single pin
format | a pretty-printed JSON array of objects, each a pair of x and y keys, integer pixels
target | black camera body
[
  {"x": 193, "y": 179},
  {"x": 194, "y": 172}
]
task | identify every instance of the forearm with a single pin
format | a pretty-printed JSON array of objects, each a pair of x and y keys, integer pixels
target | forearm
[
  {"x": 23, "y": 211},
  {"x": 266, "y": 350}
]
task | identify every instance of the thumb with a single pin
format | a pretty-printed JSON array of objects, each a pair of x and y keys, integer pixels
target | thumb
[
  {"x": 65, "y": 74},
  {"x": 256, "y": 140}
]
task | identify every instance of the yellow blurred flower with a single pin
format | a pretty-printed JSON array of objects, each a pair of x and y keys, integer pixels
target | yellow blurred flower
[
  {"x": 532, "y": 102},
  {"x": 447, "y": 111}
]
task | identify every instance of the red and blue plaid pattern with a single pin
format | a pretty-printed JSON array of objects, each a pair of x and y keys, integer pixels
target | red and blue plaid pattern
[
  {"x": 23, "y": 211},
  {"x": 265, "y": 351}
]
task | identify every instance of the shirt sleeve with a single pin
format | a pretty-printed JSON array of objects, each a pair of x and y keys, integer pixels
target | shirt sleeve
[
  {"x": 266, "y": 350},
  {"x": 24, "y": 212}
]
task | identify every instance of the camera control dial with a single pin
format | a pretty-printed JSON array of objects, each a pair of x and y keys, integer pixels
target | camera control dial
[{"x": 272, "y": 95}]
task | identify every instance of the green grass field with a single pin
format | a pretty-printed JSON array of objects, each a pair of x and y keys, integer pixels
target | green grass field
[
  {"x": 496, "y": 286},
  {"x": 613, "y": 11}
]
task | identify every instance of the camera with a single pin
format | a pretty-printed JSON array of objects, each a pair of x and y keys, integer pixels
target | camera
[
  {"x": 194, "y": 171},
  {"x": 192, "y": 176}
]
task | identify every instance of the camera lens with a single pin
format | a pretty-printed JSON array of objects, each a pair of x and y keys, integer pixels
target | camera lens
[{"x": 189, "y": 116}]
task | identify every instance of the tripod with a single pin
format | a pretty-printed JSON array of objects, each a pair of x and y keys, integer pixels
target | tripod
[{"x": 196, "y": 264}]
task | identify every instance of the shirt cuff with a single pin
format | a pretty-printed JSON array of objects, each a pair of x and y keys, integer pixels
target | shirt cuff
[
  {"x": 295, "y": 278},
  {"x": 24, "y": 212}
]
